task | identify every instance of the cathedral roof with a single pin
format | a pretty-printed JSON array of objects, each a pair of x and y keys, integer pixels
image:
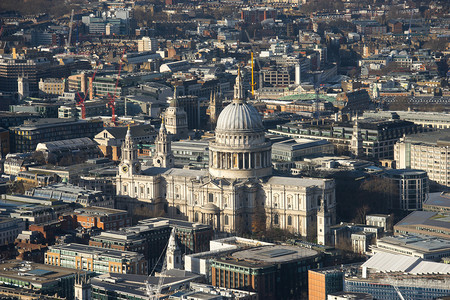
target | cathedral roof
[{"x": 239, "y": 116}]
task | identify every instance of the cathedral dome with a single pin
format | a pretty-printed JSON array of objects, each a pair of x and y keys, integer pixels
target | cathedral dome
[
  {"x": 240, "y": 117},
  {"x": 240, "y": 148}
]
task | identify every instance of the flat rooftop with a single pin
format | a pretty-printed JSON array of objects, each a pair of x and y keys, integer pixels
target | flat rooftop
[
  {"x": 294, "y": 181},
  {"x": 426, "y": 218},
  {"x": 36, "y": 274},
  {"x": 268, "y": 255},
  {"x": 98, "y": 211},
  {"x": 430, "y": 137},
  {"x": 173, "y": 223},
  {"x": 420, "y": 243},
  {"x": 95, "y": 251},
  {"x": 438, "y": 199}
]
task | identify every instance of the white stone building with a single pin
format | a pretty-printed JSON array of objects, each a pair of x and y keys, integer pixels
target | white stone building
[{"x": 238, "y": 190}]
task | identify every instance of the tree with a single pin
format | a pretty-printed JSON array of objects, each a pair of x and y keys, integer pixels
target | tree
[
  {"x": 16, "y": 187},
  {"x": 259, "y": 221},
  {"x": 38, "y": 157}
]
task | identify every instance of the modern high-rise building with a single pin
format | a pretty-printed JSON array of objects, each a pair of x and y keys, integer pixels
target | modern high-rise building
[
  {"x": 147, "y": 44},
  {"x": 428, "y": 152}
]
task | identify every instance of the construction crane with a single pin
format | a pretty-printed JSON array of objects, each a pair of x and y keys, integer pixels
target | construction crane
[
  {"x": 257, "y": 62},
  {"x": 112, "y": 98},
  {"x": 70, "y": 32},
  {"x": 394, "y": 285},
  {"x": 154, "y": 291}
]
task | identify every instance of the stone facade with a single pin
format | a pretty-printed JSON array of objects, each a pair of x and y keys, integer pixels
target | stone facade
[{"x": 238, "y": 190}]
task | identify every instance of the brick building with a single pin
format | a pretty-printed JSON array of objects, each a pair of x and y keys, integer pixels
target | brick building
[{"x": 103, "y": 218}]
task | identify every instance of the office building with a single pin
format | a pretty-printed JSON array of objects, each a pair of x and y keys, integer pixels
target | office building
[
  {"x": 378, "y": 137},
  {"x": 322, "y": 282},
  {"x": 12, "y": 68},
  {"x": 98, "y": 260},
  {"x": 31, "y": 133},
  {"x": 425, "y": 247},
  {"x": 412, "y": 188},
  {"x": 29, "y": 280},
  {"x": 9, "y": 229},
  {"x": 150, "y": 237},
  {"x": 385, "y": 275},
  {"x": 130, "y": 286},
  {"x": 428, "y": 152},
  {"x": 424, "y": 222},
  {"x": 148, "y": 44},
  {"x": 263, "y": 269},
  {"x": 52, "y": 87},
  {"x": 296, "y": 149},
  {"x": 200, "y": 263}
]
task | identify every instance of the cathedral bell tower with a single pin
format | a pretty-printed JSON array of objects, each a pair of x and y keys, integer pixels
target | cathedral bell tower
[
  {"x": 357, "y": 141},
  {"x": 323, "y": 222},
  {"x": 163, "y": 154},
  {"x": 129, "y": 164},
  {"x": 173, "y": 253},
  {"x": 215, "y": 105}
]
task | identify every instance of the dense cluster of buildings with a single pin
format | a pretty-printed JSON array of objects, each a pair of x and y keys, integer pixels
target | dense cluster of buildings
[{"x": 232, "y": 150}]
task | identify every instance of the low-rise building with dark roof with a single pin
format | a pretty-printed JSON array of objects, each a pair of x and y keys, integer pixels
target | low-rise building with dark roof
[
  {"x": 31, "y": 133},
  {"x": 131, "y": 286},
  {"x": 72, "y": 194},
  {"x": 54, "y": 151}
]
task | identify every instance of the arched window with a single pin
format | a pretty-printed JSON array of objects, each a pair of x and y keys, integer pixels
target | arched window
[
  {"x": 226, "y": 219},
  {"x": 178, "y": 209},
  {"x": 289, "y": 220},
  {"x": 275, "y": 219},
  {"x": 196, "y": 217}
]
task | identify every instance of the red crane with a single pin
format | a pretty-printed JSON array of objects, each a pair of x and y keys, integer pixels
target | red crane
[{"x": 112, "y": 98}]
